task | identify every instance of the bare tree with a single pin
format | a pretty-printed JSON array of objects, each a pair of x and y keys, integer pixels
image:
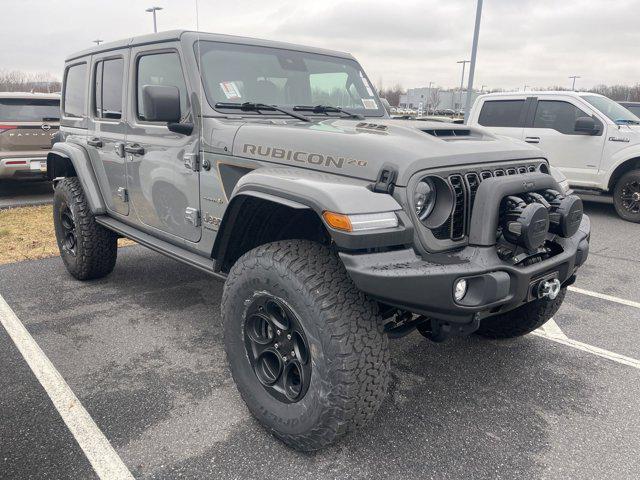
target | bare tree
[
  {"x": 434, "y": 98},
  {"x": 17, "y": 81},
  {"x": 392, "y": 94}
]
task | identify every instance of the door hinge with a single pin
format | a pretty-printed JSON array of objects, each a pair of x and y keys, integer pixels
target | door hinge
[
  {"x": 191, "y": 161},
  {"x": 192, "y": 216},
  {"x": 123, "y": 194}
]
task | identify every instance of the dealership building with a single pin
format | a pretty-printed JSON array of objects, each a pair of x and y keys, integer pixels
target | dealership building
[{"x": 452, "y": 99}]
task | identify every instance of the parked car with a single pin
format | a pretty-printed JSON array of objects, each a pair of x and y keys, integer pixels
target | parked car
[
  {"x": 593, "y": 140},
  {"x": 275, "y": 168},
  {"x": 633, "y": 107},
  {"x": 28, "y": 122}
]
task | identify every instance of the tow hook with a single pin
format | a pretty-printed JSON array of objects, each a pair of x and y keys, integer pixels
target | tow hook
[{"x": 549, "y": 288}]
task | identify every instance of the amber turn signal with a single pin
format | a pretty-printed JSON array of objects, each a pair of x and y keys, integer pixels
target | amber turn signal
[{"x": 337, "y": 221}]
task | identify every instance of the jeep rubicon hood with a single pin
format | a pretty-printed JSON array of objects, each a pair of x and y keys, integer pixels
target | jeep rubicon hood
[{"x": 360, "y": 148}]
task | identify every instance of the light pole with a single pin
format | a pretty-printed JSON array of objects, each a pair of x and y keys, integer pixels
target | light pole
[
  {"x": 464, "y": 65},
  {"x": 97, "y": 41},
  {"x": 154, "y": 10},
  {"x": 474, "y": 53},
  {"x": 574, "y": 81}
]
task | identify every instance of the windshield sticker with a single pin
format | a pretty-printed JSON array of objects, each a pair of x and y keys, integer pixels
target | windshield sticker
[
  {"x": 369, "y": 104},
  {"x": 230, "y": 90},
  {"x": 367, "y": 85}
]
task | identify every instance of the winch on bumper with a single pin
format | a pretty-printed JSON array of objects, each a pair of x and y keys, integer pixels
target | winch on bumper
[{"x": 426, "y": 284}]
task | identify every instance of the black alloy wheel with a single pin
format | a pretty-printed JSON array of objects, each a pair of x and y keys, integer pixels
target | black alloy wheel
[
  {"x": 68, "y": 223},
  {"x": 630, "y": 196},
  {"x": 277, "y": 348}
]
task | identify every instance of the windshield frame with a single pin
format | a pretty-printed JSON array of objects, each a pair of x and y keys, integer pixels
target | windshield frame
[
  {"x": 380, "y": 112},
  {"x": 627, "y": 115}
]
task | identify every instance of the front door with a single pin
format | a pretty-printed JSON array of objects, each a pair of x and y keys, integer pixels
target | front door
[
  {"x": 107, "y": 127},
  {"x": 164, "y": 191},
  {"x": 553, "y": 130}
]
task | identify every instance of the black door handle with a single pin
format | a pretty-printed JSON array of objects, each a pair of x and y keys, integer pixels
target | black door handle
[
  {"x": 134, "y": 148},
  {"x": 532, "y": 139},
  {"x": 95, "y": 142}
]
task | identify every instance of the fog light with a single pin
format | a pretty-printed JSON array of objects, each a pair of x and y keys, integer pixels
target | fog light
[{"x": 460, "y": 290}]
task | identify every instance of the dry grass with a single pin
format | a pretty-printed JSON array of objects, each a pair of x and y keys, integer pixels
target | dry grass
[{"x": 27, "y": 233}]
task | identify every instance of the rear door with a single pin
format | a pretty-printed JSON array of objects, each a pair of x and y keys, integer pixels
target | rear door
[
  {"x": 504, "y": 116},
  {"x": 163, "y": 189},
  {"x": 27, "y": 126},
  {"x": 552, "y": 128},
  {"x": 107, "y": 127}
]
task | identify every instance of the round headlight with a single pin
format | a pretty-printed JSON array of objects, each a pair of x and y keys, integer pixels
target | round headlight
[{"x": 424, "y": 198}]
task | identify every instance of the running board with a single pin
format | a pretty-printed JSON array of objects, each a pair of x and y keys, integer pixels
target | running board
[{"x": 170, "y": 250}]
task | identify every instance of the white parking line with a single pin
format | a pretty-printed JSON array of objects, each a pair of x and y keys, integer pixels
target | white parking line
[
  {"x": 103, "y": 458},
  {"x": 603, "y": 296},
  {"x": 601, "y": 352},
  {"x": 551, "y": 329}
]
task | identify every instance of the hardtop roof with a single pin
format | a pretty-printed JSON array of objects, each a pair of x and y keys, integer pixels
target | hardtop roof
[{"x": 173, "y": 35}]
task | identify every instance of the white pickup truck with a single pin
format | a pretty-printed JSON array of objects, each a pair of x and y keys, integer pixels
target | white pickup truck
[{"x": 593, "y": 140}]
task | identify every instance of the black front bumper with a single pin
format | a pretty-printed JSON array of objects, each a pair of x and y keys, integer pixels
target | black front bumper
[{"x": 425, "y": 285}]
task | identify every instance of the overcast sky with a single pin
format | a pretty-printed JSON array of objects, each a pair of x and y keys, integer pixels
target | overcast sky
[{"x": 411, "y": 42}]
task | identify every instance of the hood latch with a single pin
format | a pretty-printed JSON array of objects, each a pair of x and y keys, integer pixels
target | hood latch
[{"x": 386, "y": 180}]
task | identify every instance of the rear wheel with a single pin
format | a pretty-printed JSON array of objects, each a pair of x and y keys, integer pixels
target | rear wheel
[
  {"x": 626, "y": 196},
  {"x": 305, "y": 346},
  {"x": 88, "y": 250},
  {"x": 522, "y": 320}
]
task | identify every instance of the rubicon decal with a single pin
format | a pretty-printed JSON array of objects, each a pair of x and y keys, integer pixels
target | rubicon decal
[{"x": 276, "y": 153}]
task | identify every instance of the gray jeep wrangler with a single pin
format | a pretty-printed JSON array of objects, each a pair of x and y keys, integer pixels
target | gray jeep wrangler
[{"x": 275, "y": 168}]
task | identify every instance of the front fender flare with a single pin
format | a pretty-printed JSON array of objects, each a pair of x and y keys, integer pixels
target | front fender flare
[{"x": 84, "y": 171}]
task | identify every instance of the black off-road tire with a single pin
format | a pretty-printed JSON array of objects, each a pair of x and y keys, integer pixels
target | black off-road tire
[
  {"x": 349, "y": 351},
  {"x": 626, "y": 186},
  {"x": 96, "y": 248},
  {"x": 522, "y": 320}
]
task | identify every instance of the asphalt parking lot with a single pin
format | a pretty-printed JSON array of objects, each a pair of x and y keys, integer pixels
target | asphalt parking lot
[{"x": 142, "y": 351}]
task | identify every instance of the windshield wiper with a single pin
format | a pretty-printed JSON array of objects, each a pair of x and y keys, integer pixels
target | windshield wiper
[
  {"x": 625, "y": 121},
  {"x": 257, "y": 107},
  {"x": 326, "y": 109}
]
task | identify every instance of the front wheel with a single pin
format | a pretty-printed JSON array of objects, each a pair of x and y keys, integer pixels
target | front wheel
[
  {"x": 626, "y": 196},
  {"x": 305, "y": 347},
  {"x": 522, "y": 320}
]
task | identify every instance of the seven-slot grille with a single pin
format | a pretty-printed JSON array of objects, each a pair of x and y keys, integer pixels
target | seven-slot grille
[{"x": 465, "y": 187}]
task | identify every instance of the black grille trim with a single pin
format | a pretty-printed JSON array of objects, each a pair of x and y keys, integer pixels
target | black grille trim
[{"x": 465, "y": 187}]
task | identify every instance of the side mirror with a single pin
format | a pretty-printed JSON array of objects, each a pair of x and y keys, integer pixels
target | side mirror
[
  {"x": 161, "y": 103},
  {"x": 587, "y": 125}
]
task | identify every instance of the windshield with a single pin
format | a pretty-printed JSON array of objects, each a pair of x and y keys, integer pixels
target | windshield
[
  {"x": 613, "y": 110},
  {"x": 245, "y": 73},
  {"x": 28, "y": 110}
]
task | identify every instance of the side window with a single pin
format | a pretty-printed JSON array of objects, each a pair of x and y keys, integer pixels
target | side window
[
  {"x": 501, "y": 113},
  {"x": 74, "y": 88},
  {"x": 557, "y": 115},
  {"x": 161, "y": 69},
  {"x": 108, "y": 89}
]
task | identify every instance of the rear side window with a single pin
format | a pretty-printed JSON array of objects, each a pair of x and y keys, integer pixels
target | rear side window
[
  {"x": 108, "y": 88},
  {"x": 161, "y": 69},
  {"x": 74, "y": 97},
  {"x": 28, "y": 110},
  {"x": 558, "y": 115},
  {"x": 501, "y": 113}
]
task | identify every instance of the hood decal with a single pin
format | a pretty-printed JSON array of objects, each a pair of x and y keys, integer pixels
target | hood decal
[{"x": 276, "y": 153}]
